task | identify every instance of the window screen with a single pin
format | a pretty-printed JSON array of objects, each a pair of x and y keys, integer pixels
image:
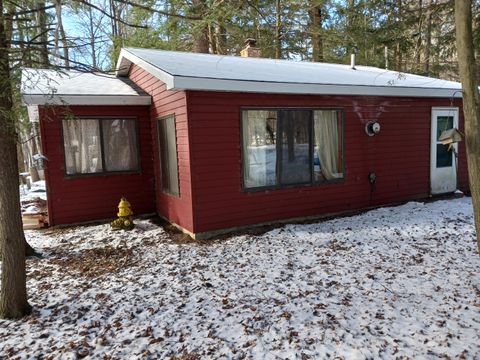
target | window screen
[{"x": 168, "y": 155}]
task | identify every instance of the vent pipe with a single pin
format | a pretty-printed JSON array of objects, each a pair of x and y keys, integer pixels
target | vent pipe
[
  {"x": 386, "y": 57},
  {"x": 352, "y": 61}
]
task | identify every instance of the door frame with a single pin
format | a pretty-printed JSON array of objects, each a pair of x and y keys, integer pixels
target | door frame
[{"x": 434, "y": 171}]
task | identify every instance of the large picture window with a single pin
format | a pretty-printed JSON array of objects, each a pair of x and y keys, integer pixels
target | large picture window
[
  {"x": 167, "y": 140},
  {"x": 291, "y": 146},
  {"x": 95, "y": 146}
]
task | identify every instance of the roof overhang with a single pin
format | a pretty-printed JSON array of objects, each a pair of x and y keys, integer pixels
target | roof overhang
[
  {"x": 207, "y": 84},
  {"x": 65, "y": 100},
  {"x": 126, "y": 59},
  {"x": 72, "y": 87}
]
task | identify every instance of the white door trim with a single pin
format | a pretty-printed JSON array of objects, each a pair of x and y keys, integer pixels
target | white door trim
[{"x": 442, "y": 179}]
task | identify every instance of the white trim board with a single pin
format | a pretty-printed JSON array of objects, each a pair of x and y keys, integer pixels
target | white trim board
[
  {"x": 126, "y": 59},
  {"x": 192, "y": 83},
  {"x": 40, "y": 99}
]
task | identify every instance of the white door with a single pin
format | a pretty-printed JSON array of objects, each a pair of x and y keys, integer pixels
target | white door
[{"x": 443, "y": 169}]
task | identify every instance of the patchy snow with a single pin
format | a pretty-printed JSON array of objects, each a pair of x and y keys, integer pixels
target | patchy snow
[
  {"x": 33, "y": 200},
  {"x": 391, "y": 283},
  {"x": 37, "y": 190}
]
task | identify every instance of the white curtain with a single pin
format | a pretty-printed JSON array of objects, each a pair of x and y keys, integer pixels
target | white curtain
[
  {"x": 82, "y": 146},
  {"x": 120, "y": 141},
  {"x": 259, "y": 152},
  {"x": 327, "y": 142}
]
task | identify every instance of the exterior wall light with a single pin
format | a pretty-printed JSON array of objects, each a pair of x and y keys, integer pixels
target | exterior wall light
[{"x": 372, "y": 128}]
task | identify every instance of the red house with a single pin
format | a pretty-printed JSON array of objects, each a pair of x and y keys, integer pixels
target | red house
[{"x": 213, "y": 143}]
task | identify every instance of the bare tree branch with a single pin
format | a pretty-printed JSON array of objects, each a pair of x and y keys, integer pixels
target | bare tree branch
[
  {"x": 161, "y": 12},
  {"x": 30, "y": 11},
  {"x": 85, "y": 2}
]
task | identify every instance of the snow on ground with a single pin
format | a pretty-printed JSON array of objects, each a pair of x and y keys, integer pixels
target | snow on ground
[
  {"x": 33, "y": 200},
  {"x": 37, "y": 190},
  {"x": 399, "y": 282}
]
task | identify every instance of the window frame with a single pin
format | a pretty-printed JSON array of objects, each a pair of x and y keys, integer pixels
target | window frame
[
  {"x": 279, "y": 110},
  {"x": 162, "y": 188},
  {"x": 104, "y": 172}
]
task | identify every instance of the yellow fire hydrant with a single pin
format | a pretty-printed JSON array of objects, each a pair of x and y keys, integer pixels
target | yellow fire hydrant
[{"x": 125, "y": 216}]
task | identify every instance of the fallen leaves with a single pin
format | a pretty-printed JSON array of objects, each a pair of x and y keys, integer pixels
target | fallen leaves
[
  {"x": 337, "y": 289},
  {"x": 96, "y": 261}
]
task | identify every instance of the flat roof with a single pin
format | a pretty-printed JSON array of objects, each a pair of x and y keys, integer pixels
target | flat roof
[
  {"x": 71, "y": 87},
  {"x": 194, "y": 71}
]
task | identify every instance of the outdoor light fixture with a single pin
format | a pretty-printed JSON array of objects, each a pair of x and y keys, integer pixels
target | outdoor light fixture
[{"x": 372, "y": 128}]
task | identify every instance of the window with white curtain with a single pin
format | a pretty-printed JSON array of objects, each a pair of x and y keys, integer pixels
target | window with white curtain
[
  {"x": 284, "y": 147},
  {"x": 100, "y": 145}
]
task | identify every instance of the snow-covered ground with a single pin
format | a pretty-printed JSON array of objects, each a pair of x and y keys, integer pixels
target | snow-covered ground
[
  {"x": 399, "y": 282},
  {"x": 37, "y": 190},
  {"x": 33, "y": 200}
]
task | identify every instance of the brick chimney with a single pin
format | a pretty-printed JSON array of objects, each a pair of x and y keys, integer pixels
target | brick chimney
[{"x": 251, "y": 49}]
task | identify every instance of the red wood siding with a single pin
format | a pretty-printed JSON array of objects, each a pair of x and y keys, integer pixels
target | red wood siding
[
  {"x": 82, "y": 198},
  {"x": 164, "y": 102},
  {"x": 399, "y": 155}
]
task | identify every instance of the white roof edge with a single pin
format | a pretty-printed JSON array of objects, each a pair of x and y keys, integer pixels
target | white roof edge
[
  {"x": 207, "y": 84},
  {"x": 125, "y": 60},
  {"x": 40, "y": 99}
]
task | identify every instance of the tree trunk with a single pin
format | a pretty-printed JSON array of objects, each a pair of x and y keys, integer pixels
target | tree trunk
[
  {"x": 350, "y": 28},
  {"x": 91, "y": 35},
  {"x": 221, "y": 38},
  {"x": 13, "y": 290},
  {"x": 200, "y": 40},
  {"x": 316, "y": 31},
  {"x": 43, "y": 34},
  {"x": 200, "y": 35},
  {"x": 418, "y": 50},
  {"x": 278, "y": 30},
  {"x": 471, "y": 101},
  {"x": 399, "y": 59},
  {"x": 113, "y": 18},
  {"x": 32, "y": 147},
  {"x": 60, "y": 34},
  {"x": 211, "y": 39},
  {"x": 428, "y": 38},
  {"x": 20, "y": 155}
]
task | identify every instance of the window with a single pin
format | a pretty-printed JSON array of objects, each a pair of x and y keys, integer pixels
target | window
[
  {"x": 168, "y": 155},
  {"x": 100, "y": 145},
  {"x": 444, "y": 155},
  {"x": 291, "y": 146}
]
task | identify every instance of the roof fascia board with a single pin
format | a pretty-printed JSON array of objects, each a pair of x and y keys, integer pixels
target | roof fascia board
[
  {"x": 194, "y": 83},
  {"x": 38, "y": 99},
  {"x": 123, "y": 68}
]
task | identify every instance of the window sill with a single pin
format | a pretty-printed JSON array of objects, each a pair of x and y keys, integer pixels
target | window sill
[{"x": 103, "y": 174}]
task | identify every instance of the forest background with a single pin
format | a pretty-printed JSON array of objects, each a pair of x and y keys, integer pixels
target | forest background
[{"x": 411, "y": 36}]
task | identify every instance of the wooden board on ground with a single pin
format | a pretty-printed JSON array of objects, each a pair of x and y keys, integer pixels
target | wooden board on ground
[{"x": 34, "y": 221}]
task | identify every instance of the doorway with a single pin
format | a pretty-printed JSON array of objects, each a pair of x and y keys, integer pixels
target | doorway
[{"x": 443, "y": 164}]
